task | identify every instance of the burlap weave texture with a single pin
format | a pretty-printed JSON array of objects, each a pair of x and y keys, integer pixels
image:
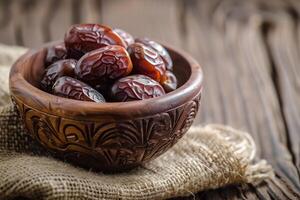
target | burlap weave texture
[{"x": 206, "y": 157}]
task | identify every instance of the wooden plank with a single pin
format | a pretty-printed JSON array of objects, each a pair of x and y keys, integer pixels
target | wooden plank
[
  {"x": 90, "y": 11},
  {"x": 32, "y": 23},
  {"x": 26, "y": 22},
  {"x": 283, "y": 44},
  {"x": 239, "y": 85},
  {"x": 154, "y": 19},
  {"x": 9, "y": 23},
  {"x": 59, "y": 18},
  {"x": 68, "y": 12},
  {"x": 32, "y": 15}
]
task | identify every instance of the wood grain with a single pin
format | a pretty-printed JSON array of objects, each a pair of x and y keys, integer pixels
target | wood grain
[
  {"x": 282, "y": 41},
  {"x": 249, "y": 51}
]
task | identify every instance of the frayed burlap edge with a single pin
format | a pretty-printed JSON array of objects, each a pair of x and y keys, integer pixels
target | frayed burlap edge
[{"x": 245, "y": 150}]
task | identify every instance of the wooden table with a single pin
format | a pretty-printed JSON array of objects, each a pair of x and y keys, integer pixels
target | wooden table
[{"x": 249, "y": 50}]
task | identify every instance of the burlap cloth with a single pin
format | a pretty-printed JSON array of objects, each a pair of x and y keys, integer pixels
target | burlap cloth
[{"x": 206, "y": 157}]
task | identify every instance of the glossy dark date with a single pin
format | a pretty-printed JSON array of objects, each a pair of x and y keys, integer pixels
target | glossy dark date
[
  {"x": 169, "y": 82},
  {"x": 74, "y": 89},
  {"x": 55, "y": 53},
  {"x": 159, "y": 49},
  {"x": 107, "y": 63},
  {"x": 56, "y": 70},
  {"x": 83, "y": 38},
  {"x": 136, "y": 87},
  {"x": 128, "y": 39},
  {"x": 146, "y": 61}
]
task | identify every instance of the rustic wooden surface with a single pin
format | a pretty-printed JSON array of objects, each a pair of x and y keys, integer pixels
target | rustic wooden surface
[{"x": 249, "y": 50}]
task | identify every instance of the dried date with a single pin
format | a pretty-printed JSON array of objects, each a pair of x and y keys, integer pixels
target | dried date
[
  {"x": 136, "y": 87},
  {"x": 55, "y": 53},
  {"x": 83, "y": 38},
  {"x": 74, "y": 89},
  {"x": 104, "y": 64},
  {"x": 169, "y": 81},
  {"x": 159, "y": 49},
  {"x": 58, "y": 69},
  {"x": 128, "y": 38},
  {"x": 146, "y": 61}
]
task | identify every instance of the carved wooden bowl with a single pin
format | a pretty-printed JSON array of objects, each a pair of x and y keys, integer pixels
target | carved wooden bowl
[{"x": 111, "y": 136}]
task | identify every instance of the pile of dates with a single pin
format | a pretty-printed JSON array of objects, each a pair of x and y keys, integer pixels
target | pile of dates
[{"x": 97, "y": 63}]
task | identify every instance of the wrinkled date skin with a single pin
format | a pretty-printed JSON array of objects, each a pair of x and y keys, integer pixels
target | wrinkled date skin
[
  {"x": 146, "y": 61},
  {"x": 159, "y": 49},
  {"x": 136, "y": 87},
  {"x": 128, "y": 39},
  {"x": 104, "y": 64},
  {"x": 169, "y": 82},
  {"x": 80, "y": 39},
  {"x": 74, "y": 89},
  {"x": 55, "y": 53},
  {"x": 56, "y": 70}
]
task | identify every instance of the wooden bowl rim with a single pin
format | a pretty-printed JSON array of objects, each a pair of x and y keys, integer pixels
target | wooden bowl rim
[{"x": 61, "y": 106}]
